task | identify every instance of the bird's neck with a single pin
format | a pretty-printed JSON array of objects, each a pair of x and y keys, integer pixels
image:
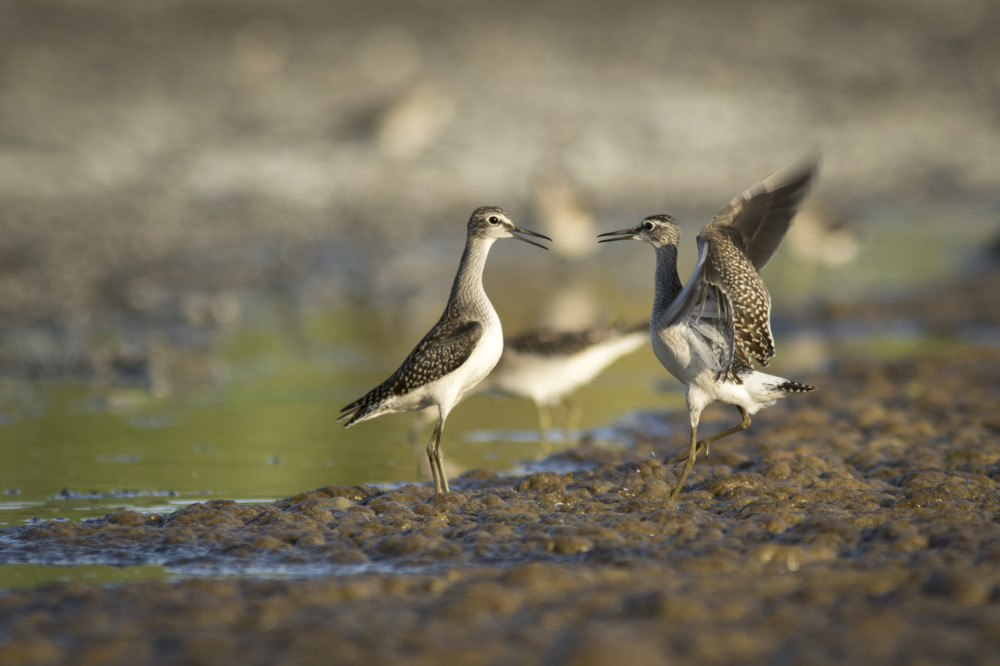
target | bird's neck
[
  {"x": 668, "y": 285},
  {"x": 467, "y": 294}
]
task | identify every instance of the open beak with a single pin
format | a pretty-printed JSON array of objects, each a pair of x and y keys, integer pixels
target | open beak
[
  {"x": 621, "y": 234},
  {"x": 528, "y": 232}
]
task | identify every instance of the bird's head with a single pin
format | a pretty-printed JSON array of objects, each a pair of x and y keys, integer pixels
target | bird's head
[
  {"x": 490, "y": 222},
  {"x": 657, "y": 230}
]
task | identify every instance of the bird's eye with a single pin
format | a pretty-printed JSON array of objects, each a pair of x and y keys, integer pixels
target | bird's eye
[
  {"x": 494, "y": 219},
  {"x": 648, "y": 226}
]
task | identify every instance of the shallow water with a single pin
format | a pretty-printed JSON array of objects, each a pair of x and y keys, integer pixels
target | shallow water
[
  {"x": 262, "y": 425},
  {"x": 267, "y": 435}
]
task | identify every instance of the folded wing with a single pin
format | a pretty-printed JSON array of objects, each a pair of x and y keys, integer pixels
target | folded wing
[{"x": 445, "y": 348}]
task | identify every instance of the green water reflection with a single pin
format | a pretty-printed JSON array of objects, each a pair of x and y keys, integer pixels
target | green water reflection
[{"x": 266, "y": 431}]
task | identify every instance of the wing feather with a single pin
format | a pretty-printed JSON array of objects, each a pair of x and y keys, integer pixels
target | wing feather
[
  {"x": 444, "y": 349},
  {"x": 725, "y": 302},
  {"x": 704, "y": 304},
  {"x": 758, "y": 218}
]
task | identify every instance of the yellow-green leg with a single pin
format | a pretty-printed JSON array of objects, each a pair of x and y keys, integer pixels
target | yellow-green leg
[
  {"x": 574, "y": 413},
  {"x": 434, "y": 456},
  {"x": 705, "y": 443},
  {"x": 544, "y": 421},
  {"x": 688, "y": 463}
]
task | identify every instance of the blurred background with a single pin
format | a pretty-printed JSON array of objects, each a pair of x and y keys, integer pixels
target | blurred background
[{"x": 221, "y": 220}]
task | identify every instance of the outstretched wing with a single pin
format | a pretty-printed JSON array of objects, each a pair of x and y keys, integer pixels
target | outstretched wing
[
  {"x": 758, "y": 218},
  {"x": 705, "y": 305},
  {"x": 446, "y": 347},
  {"x": 725, "y": 303}
]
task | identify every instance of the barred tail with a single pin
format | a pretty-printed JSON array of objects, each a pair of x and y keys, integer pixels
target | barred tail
[{"x": 789, "y": 386}]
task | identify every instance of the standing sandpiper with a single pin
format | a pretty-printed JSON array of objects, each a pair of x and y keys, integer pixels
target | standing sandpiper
[
  {"x": 458, "y": 352},
  {"x": 547, "y": 366},
  {"x": 706, "y": 331}
]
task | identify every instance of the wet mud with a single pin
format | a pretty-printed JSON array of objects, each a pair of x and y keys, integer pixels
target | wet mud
[{"x": 860, "y": 524}]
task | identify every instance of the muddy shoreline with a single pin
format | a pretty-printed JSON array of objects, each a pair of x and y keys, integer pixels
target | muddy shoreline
[{"x": 859, "y": 525}]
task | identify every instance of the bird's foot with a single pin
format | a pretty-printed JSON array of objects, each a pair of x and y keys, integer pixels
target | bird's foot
[{"x": 682, "y": 457}]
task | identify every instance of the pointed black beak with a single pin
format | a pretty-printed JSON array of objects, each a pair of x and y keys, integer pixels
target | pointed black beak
[
  {"x": 621, "y": 234},
  {"x": 528, "y": 232}
]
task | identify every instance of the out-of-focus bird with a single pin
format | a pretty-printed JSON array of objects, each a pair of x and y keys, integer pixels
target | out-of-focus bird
[{"x": 547, "y": 366}]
